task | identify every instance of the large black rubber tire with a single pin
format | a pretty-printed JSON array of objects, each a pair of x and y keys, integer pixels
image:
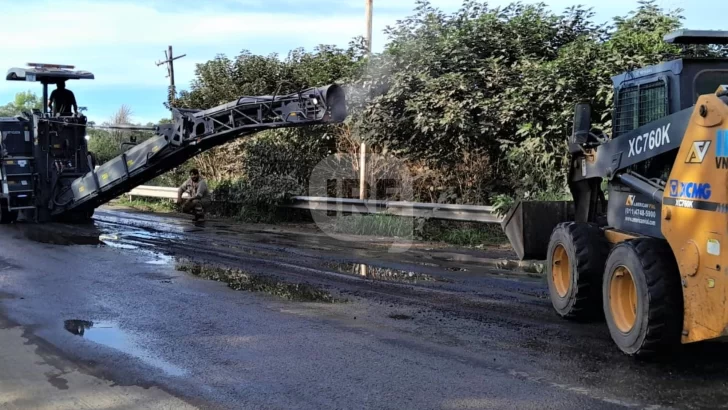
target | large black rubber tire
[
  {"x": 587, "y": 249},
  {"x": 658, "y": 321},
  {"x": 7, "y": 216}
]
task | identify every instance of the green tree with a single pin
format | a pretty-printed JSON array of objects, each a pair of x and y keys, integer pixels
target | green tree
[
  {"x": 25, "y": 101},
  {"x": 223, "y": 79},
  {"x": 106, "y": 143},
  {"x": 479, "y": 101},
  {"x": 482, "y": 81},
  {"x": 502, "y": 83}
]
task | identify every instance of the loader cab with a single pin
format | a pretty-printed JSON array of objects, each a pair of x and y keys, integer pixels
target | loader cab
[{"x": 650, "y": 93}]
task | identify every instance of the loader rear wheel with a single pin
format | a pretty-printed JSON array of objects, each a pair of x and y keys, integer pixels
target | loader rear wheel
[
  {"x": 576, "y": 256},
  {"x": 642, "y": 297}
]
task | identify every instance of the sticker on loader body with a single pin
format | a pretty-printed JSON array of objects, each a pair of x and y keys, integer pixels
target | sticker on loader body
[{"x": 697, "y": 152}]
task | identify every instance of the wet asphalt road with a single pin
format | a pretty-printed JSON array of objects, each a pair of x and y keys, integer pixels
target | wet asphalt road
[{"x": 428, "y": 328}]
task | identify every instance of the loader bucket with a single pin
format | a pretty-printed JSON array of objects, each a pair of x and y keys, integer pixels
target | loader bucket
[{"x": 528, "y": 225}]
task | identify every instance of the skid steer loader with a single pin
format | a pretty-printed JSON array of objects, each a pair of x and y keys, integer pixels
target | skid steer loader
[{"x": 649, "y": 254}]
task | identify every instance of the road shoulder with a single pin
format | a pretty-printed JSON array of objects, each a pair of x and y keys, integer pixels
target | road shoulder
[{"x": 34, "y": 376}]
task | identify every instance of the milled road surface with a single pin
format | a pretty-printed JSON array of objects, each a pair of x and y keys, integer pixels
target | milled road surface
[{"x": 114, "y": 324}]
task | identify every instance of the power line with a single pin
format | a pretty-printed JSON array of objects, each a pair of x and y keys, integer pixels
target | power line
[{"x": 102, "y": 127}]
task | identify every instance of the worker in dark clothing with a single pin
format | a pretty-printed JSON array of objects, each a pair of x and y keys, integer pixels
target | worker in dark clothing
[
  {"x": 199, "y": 200},
  {"x": 62, "y": 100}
]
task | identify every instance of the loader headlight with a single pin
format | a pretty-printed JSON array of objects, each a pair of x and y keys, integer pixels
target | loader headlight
[{"x": 87, "y": 138}]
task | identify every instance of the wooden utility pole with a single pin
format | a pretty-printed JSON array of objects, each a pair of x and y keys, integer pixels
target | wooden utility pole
[
  {"x": 369, "y": 16},
  {"x": 369, "y": 7},
  {"x": 169, "y": 61}
]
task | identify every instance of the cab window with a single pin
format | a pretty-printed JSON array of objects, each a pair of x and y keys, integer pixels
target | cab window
[{"x": 707, "y": 82}]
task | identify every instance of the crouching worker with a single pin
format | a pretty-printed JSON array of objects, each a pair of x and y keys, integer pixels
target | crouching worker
[{"x": 199, "y": 199}]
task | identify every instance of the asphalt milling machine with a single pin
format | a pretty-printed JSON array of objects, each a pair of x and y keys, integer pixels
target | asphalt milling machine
[
  {"x": 643, "y": 243},
  {"x": 48, "y": 174}
]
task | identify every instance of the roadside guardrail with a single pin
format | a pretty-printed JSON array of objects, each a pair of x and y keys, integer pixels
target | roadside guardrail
[
  {"x": 149, "y": 191},
  {"x": 470, "y": 213},
  {"x": 452, "y": 212}
]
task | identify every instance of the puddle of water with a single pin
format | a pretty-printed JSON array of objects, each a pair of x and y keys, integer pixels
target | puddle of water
[
  {"x": 108, "y": 334},
  {"x": 119, "y": 245},
  {"x": 427, "y": 264},
  {"x": 123, "y": 242},
  {"x": 379, "y": 273},
  {"x": 125, "y": 219},
  {"x": 242, "y": 248},
  {"x": 240, "y": 280},
  {"x": 151, "y": 235},
  {"x": 161, "y": 259},
  {"x": 119, "y": 232}
]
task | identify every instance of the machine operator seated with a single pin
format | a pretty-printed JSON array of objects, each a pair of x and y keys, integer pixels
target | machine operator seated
[{"x": 62, "y": 101}]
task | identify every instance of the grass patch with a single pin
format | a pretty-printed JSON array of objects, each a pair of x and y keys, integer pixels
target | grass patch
[
  {"x": 483, "y": 235},
  {"x": 147, "y": 204},
  {"x": 375, "y": 225},
  {"x": 240, "y": 280},
  {"x": 450, "y": 232},
  {"x": 463, "y": 233}
]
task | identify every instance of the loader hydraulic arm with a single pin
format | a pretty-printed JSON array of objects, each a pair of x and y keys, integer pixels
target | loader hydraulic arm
[{"x": 193, "y": 132}]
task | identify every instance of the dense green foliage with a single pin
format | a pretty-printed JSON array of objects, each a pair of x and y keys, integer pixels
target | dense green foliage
[
  {"x": 500, "y": 84},
  {"x": 106, "y": 143},
  {"x": 478, "y": 103},
  {"x": 264, "y": 171}
]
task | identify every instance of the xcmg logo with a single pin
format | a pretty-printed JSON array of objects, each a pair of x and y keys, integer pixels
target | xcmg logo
[{"x": 690, "y": 190}]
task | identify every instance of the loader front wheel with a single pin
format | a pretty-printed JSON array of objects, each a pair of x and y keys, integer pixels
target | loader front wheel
[
  {"x": 576, "y": 256},
  {"x": 642, "y": 297}
]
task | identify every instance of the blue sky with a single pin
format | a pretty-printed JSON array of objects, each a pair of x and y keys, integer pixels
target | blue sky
[{"x": 121, "y": 40}]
